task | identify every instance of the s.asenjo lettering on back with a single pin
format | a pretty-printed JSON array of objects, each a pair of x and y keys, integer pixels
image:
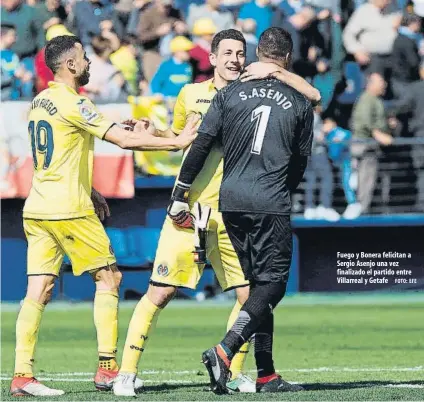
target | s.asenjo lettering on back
[{"x": 272, "y": 94}]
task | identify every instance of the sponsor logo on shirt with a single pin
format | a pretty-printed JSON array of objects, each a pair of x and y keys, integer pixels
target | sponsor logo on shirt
[
  {"x": 162, "y": 270},
  {"x": 203, "y": 101},
  {"x": 88, "y": 112}
]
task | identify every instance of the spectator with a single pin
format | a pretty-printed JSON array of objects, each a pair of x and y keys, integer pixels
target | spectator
[
  {"x": 139, "y": 6},
  {"x": 260, "y": 11},
  {"x": 123, "y": 8},
  {"x": 338, "y": 146},
  {"x": 183, "y": 5},
  {"x": 326, "y": 12},
  {"x": 13, "y": 74},
  {"x": 369, "y": 35},
  {"x": 156, "y": 22},
  {"x": 405, "y": 57},
  {"x": 106, "y": 81},
  {"x": 28, "y": 28},
  {"x": 295, "y": 17},
  {"x": 179, "y": 28},
  {"x": 125, "y": 60},
  {"x": 43, "y": 74},
  {"x": 319, "y": 167},
  {"x": 203, "y": 31},
  {"x": 49, "y": 13},
  {"x": 369, "y": 122},
  {"x": 92, "y": 17},
  {"x": 222, "y": 19},
  {"x": 413, "y": 102},
  {"x": 324, "y": 82},
  {"x": 417, "y": 7},
  {"x": 326, "y": 8},
  {"x": 29, "y": 33},
  {"x": 346, "y": 92},
  {"x": 248, "y": 27},
  {"x": 174, "y": 73}
]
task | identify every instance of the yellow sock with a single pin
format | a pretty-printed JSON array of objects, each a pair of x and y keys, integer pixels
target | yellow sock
[
  {"x": 106, "y": 322},
  {"x": 27, "y": 326},
  {"x": 240, "y": 357},
  {"x": 144, "y": 319}
]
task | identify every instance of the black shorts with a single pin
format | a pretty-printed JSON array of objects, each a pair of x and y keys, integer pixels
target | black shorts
[{"x": 263, "y": 243}]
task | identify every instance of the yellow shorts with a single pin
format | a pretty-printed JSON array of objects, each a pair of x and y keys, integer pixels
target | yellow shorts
[
  {"x": 174, "y": 263},
  {"x": 83, "y": 240}
]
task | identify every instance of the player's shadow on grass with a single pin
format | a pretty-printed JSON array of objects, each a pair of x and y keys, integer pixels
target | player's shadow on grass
[{"x": 356, "y": 384}]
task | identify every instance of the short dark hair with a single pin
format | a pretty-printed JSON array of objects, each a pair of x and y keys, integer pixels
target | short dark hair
[
  {"x": 227, "y": 34},
  {"x": 5, "y": 28},
  {"x": 56, "y": 48},
  {"x": 100, "y": 44},
  {"x": 275, "y": 43},
  {"x": 410, "y": 18}
]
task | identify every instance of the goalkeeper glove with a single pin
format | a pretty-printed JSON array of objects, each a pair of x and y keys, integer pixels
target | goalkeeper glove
[
  {"x": 202, "y": 215},
  {"x": 178, "y": 209}
]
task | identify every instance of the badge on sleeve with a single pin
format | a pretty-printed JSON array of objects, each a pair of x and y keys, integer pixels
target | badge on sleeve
[{"x": 87, "y": 111}]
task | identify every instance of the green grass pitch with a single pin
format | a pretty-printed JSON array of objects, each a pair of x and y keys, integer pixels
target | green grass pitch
[{"x": 348, "y": 348}]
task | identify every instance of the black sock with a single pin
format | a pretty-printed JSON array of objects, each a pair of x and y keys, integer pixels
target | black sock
[
  {"x": 263, "y": 347},
  {"x": 262, "y": 299},
  {"x": 234, "y": 338}
]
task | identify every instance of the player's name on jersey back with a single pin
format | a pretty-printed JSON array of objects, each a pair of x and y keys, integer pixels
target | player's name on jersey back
[
  {"x": 46, "y": 104},
  {"x": 279, "y": 98}
]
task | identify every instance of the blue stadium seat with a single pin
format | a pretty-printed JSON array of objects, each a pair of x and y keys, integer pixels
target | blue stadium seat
[
  {"x": 155, "y": 217},
  {"x": 121, "y": 246},
  {"x": 143, "y": 242},
  {"x": 118, "y": 241},
  {"x": 142, "y": 182},
  {"x": 13, "y": 269}
]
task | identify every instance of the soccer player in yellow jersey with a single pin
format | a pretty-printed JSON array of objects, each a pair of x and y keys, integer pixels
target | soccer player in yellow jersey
[
  {"x": 60, "y": 212},
  {"x": 174, "y": 264}
]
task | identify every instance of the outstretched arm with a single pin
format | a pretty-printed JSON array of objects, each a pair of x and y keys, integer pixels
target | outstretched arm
[
  {"x": 300, "y": 84},
  {"x": 143, "y": 137},
  {"x": 138, "y": 135},
  {"x": 260, "y": 70}
]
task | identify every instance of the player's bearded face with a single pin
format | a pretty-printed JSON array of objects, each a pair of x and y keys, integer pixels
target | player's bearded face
[
  {"x": 84, "y": 77},
  {"x": 229, "y": 60},
  {"x": 83, "y": 67}
]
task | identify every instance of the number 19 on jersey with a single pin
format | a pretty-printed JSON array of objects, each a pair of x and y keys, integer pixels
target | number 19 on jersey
[{"x": 41, "y": 142}]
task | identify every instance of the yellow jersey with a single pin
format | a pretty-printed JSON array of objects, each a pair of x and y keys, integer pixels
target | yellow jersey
[
  {"x": 196, "y": 98},
  {"x": 62, "y": 126}
]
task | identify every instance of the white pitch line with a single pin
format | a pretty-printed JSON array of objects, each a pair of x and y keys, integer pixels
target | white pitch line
[
  {"x": 403, "y": 386},
  {"x": 91, "y": 380},
  {"x": 305, "y": 370},
  {"x": 365, "y": 385},
  {"x": 350, "y": 369}
]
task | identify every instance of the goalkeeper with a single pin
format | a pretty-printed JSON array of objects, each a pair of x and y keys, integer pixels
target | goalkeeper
[{"x": 174, "y": 264}]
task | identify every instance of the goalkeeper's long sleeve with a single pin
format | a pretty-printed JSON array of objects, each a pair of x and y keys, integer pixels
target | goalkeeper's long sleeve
[{"x": 297, "y": 167}]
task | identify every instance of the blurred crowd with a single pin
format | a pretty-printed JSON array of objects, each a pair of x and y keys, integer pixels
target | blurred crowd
[{"x": 365, "y": 57}]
